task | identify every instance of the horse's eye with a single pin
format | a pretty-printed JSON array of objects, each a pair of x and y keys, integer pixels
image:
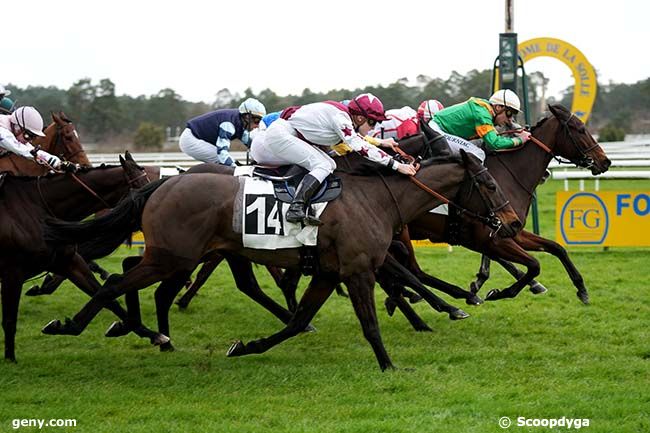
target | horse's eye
[{"x": 492, "y": 186}]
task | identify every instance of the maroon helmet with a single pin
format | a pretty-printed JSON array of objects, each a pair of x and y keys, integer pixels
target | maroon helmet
[{"x": 369, "y": 106}]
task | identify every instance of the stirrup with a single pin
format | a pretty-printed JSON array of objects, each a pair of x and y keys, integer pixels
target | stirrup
[{"x": 310, "y": 220}]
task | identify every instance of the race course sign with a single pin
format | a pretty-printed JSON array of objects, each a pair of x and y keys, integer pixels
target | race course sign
[{"x": 604, "y": 218}]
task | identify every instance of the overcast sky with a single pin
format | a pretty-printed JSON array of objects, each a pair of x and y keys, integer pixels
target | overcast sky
[{"x": 199, "y": 47}]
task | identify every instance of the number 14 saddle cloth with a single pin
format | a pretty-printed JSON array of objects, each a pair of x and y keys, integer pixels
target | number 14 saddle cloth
[{"x": 261, "y": 218}]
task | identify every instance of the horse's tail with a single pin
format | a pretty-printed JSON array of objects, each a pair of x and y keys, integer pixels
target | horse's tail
[{"x": 101, "y": 236}]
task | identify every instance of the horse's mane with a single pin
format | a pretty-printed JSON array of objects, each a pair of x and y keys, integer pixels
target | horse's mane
[{"x": 558, "y": 111}]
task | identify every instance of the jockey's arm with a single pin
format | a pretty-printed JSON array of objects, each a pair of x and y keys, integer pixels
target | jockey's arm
[
  {"x": 226, "y": 132},
  {"x": 8, "y": 141},
  {"x": 495, "y": 141}
]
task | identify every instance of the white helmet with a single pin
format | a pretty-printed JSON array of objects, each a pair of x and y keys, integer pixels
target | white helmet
[
  {"x": 252, "y": 106},
  {"x": 28, "y": 118},
  {"x": 427, "y": 109},
  {"x": 507, "y": 98},
  {"x": 3, "y": 91}
]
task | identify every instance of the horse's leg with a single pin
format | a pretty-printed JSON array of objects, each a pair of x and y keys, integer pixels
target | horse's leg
[
  {"x": 319, "y": 289},
  {"x": 276, "y": 274},
  {"x": 532, "y": 242},
  {"x": 146, "y": 273},
  {"x": 482, "y": 275},
  {"x": 395, "y": 299},
  {"x": 289, "y": 285},
  {"x": 361, "y": 290},
  {"x": 165, "y": 295},
  {"x": 508, "y": 249},
  {"x": 242, "y": 271},
  {"x": 450, "y": 289},
  {"x": 535, "y": 287},
  {"x": 204, "y": 273},
  {"x": 393, "y": 267},
  {"x": 49, "y": 286},
  {"x": 11, "y": 287},
  {"x": 94, "y": 266}
]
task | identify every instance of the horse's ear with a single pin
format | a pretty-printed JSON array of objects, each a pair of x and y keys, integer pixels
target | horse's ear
[
  {"x": 128, "y": 156},
  {"x": 55, "y": 118},
  {"x": 122, "y": 161},
  {"x": 64, "y": 117},
  {"x": 464, "y": 156}
]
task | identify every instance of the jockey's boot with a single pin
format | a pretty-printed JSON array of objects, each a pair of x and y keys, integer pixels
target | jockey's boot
[
  {"x": 304, "y": 192},
  {"x": 436, "y": 141}
]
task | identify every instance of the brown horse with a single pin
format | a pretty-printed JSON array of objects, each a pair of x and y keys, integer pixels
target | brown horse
[
  {"x": 358, "y": 228},
  {"x": 26, "y": 203},
  {"x": 61, "y": 139},
  {"x": 518, "y": 172}
]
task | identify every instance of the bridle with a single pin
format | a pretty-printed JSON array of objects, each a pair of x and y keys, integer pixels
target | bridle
[
  {"x": 58, "y": 139},
  {"x": 491, "y": 219}
]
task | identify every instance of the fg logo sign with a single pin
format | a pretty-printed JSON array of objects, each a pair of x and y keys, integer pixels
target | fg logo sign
[
  {"x": 606, "y": 218},
  {"x": 584, "y": 220}
]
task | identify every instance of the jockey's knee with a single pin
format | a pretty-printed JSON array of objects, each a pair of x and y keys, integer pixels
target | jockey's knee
[{"x": 321, "y": 172}]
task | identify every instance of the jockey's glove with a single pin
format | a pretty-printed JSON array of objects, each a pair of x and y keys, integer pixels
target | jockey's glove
[
  {"x": 69, "y": 167},
  {"x": 51, "y": 160}
]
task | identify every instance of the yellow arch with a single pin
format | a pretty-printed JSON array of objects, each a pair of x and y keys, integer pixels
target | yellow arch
[{"x": 584, "y": 93}]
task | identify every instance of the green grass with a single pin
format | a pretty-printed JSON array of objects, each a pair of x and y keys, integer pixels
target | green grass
[{"x": 544, "y": 356}]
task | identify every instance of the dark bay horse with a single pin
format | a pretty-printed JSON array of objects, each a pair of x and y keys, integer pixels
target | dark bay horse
[
  {"x": 61, "y": 139},
  {"x": 352, "y": 244},
  {"x": 25, "y": 202},
  {"x": 518, "y": 172}
]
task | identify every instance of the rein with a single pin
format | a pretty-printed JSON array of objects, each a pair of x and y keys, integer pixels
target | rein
[{"x": 490, "y": 220}]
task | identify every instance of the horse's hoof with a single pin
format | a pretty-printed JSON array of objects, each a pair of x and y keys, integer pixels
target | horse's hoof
[
  {"x": 236, "y": 349},
  {"x": 458, "y": 314},
  {"x": 584, "y": 297},
  {"x": 160, "y": 339},
  {"x": 182, "y": 306},
  {"x": 537, "y": 289},
  {"x": 493, "y": 295},
  {"x": 167, "y": 347},
  {"x": 390, "y": 306},
  {"x": 474, "y": 300},
  {"x": 414, "y": 298},
  {"x": 54, "y": 327},
  {"x": 423, "y": 328},
  {"x": 117, "y": 329},
  {"x": 33, "y": 291},
  {"x": 309, "y": 328}
]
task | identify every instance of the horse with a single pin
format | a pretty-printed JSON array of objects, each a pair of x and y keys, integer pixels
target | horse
[
  {"x": 518, "y": 172},
  {"x": 479, "y": 184},
  {"x": 52, "y": 282},
  {"x": 25, "y": 202},
  {"x": 347, "y": 251},
  {"x": 60, "y": 139}
]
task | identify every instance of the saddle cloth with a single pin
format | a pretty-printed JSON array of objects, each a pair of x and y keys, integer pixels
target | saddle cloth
[{"x": 263, "y": 217}]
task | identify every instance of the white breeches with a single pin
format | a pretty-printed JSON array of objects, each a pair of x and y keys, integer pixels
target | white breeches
[
  {"x": 456, "y": 143},
  {"x": 282, "y": 146},
  {"x": 196, "y": 148}
]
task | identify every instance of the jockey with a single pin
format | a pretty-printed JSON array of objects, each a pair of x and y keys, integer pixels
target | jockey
[
  {"x": 400, "y": 123},
  {"x": 427, "y": 109},
  {"x": 19, "y": 129},
  {"x": 477, "y": 118},
  {"x": 207, "y": 137},
  {"x": 6, "y": 105},
  {"x": 301, "y": 133}
]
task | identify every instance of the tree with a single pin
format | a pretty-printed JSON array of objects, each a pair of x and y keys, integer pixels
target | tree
[{"x": 149, "y": 136}]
